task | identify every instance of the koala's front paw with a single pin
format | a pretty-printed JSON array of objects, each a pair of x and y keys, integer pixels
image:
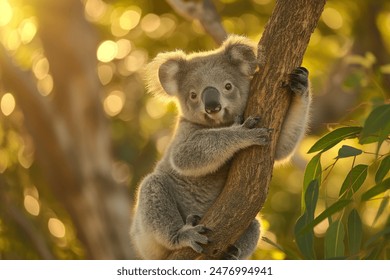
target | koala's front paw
[
  {"x": 259, "y": 136},
  {"x": 298, "y": 80},
  {"x": 192, "y": 234}
]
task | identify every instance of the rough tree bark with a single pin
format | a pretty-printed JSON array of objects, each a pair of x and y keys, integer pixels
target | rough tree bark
[
  {"x": 70, "y": 131},
  {"x": 281, "y": 49}
]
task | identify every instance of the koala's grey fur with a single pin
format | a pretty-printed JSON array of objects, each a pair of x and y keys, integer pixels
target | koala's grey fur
[{"x": 212, "y": 90}]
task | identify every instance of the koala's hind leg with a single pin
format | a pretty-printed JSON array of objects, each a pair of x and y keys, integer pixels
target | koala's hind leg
[
  {"x": 159, "y": 219},
  {"x": 295, "y": 123},
  {"x": 246, "y": 244}
]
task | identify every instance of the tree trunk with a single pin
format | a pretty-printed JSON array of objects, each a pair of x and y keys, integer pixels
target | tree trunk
[{"x": 280, "y": 50}]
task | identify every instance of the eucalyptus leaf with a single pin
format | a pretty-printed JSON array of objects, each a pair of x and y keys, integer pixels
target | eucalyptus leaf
[
  {"x": 334, "y": 241},
  {"x": 354, "y": 180},
  {"x": 313, "y": 171},
  {"x": 382, "y": 207},
  {"x": 377, "y": 189},
  {"x": 348, "y": 151},
  {"x": 376, "y": 125},
  {"x": 311, "y": 198},
  {"x": 305, "y": 241},
  {"x": 334, "y": 137},
  {"x": 355, "y": 232},
  {"x": 383, "y": 169},
  {"x": 334, "y": 208}
]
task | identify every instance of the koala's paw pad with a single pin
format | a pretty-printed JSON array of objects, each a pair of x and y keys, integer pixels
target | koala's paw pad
[{"x": 298, "y": 80}]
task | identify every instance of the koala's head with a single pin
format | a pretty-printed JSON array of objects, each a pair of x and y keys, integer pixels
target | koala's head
[{"x": 211, "y": 87}]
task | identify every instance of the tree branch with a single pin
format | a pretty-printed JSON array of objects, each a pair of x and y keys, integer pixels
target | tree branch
[
  {"x": 281, "y": 49},
  {"x": 205, "y": 12}
]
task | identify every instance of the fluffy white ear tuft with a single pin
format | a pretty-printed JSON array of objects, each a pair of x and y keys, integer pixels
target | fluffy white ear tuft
[
  {"x": 241, "y": 51},
  {"x": 162, "y": 73}
]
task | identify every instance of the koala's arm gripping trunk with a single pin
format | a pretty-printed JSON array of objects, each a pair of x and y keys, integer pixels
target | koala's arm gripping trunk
[{"x": 281, "y": 49}]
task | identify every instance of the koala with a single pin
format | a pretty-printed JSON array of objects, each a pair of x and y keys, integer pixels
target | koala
[{"x": 211, "y": 89}]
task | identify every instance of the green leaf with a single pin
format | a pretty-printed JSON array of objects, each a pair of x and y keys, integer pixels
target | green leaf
[
  {"x": 377, "y": 125},
  {"x": 305, "y": 241},
  {"x": 334, "y": 208},
  {"x": 354, "y": 180},
  {"x": 334, "y": 241},
  {"x": 377, "y": 189},
  {"x": 313, "y": 171},
  {"x": 355, "y": 233},
  {"x": 311, "y": 198},
  {"x": 334, "y": 137},
  {"x": 348, "y": 151},
  {"x": 381, "y": 209},
  {"x": 383, "y": 169}
]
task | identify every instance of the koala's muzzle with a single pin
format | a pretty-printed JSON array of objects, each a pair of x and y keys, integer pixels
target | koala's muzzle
[{"x": 210, "y": 98}]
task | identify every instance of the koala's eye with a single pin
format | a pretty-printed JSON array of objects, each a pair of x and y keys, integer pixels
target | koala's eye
[
  {"x": 193, "y": 95},
  {"x": 228, "y": 86}
]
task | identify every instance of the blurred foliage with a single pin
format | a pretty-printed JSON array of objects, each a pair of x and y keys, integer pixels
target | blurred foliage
[
  {"x": 341, "y": 221},
  {"x": 131, "y": 33}
]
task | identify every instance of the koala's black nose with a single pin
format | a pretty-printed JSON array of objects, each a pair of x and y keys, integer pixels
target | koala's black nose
[{"x": 210, "y": 97}]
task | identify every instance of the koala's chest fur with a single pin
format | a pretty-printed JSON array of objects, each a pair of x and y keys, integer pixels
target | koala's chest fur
[{"x": 194, "y": 195}]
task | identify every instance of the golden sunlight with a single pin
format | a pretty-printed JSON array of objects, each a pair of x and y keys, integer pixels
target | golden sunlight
[
  {"x": 155, "y": 108},
  {"x": 41, "y": 68},
  {"x": 332, "y": 18},
  {"x": 130, "y": 18},
  {"x": 6, "y": 12},
  {"x": 150, "y": 23},
  {"x": 45, "y": 86},
  {"x": 105, "y": 73},
  {"x": 124, "y": 48},
  {"x": 95, "y": 9},
  {"x": 27, "y": 30},
  {"x": 56, "y": 227},
  {"x": 7, "y": 104},
  {"x": 107, "y": 51},
  {"x": 114, "y": 102},
  {"x": 31, "y": 205}
]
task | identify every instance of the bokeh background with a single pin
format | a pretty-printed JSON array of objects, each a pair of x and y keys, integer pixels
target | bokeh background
[{"x": 78, "y": 130}]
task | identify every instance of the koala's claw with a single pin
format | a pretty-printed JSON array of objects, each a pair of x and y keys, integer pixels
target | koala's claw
[
  {"x": 298, "y": 80},
  {"x": 251, "y": 122},
  {"x": 262, "y": 136}
]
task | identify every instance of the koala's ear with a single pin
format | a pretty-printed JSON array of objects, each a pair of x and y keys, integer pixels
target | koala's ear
[
  {"x": 163, "y": 73},
  {"x": 241, "y": 52}
]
